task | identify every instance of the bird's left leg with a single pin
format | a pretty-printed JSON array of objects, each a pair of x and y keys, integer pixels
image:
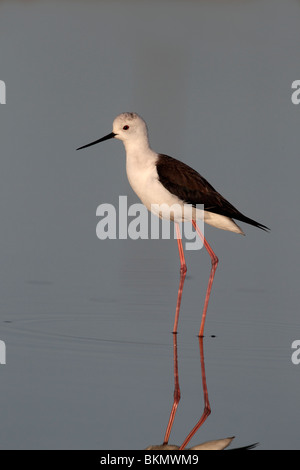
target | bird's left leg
[
  {"x": 176, "y": 392},
  {"x": 183, "y": 270}
]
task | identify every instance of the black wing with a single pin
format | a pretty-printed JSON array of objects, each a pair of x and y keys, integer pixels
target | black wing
[{"x": 186, "y": 183}]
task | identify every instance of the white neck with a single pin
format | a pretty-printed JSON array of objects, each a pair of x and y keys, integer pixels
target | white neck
[
  {"x": 140, "y": 167},
  {"x": 139, "y": 150}
]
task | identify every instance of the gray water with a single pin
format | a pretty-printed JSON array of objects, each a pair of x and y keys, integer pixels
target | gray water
[{"x": 87, "y": 323}]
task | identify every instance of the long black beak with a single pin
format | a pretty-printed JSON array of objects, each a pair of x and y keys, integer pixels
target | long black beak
[{"x": 109, "y": 136}]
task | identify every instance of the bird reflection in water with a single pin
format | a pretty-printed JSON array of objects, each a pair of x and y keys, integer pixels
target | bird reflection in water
[{"x": 219, "y": 444}]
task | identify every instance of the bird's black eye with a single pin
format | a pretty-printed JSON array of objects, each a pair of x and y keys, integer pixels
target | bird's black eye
[{"x": 125, "y": 128}]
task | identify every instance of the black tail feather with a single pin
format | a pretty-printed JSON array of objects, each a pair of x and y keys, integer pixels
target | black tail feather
[
  {"x": 245, "y": 219},
  {"x": 249, "y": 447}
]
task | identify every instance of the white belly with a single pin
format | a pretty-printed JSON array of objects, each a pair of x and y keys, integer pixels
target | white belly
[
  {"x": 143, "y": 179},
  {"x": 156, "y": 197}
]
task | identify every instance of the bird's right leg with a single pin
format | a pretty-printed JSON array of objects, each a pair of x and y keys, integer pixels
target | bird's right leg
[
  {"x": 207, "y": 408},
  {"x": 183, "y": 270},
  {"x": 214, "y": 264}
]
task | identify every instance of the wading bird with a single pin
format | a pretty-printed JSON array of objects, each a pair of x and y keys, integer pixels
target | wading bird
[{"x": 160, "y": 180}]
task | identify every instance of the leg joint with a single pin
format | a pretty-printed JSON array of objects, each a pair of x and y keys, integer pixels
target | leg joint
[
  {"x": 214, "y": 261},
  {"x": 183, "y": 269}
]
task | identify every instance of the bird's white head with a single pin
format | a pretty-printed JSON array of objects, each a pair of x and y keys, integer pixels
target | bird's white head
[{"x": 128, "y": 127}]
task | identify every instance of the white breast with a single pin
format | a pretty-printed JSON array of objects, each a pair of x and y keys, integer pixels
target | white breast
[{"x": 143, "y": 178}]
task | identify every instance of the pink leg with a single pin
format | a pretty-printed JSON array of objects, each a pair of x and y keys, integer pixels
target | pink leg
[
  {"x": 182, "y": 276},
  {"x": 207, "y": 408},
  {"x": 214, "y": 264},
  {"x": 176, "y": 392}
]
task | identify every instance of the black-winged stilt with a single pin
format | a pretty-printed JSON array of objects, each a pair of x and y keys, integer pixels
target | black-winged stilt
[{"x": 162, "y": 180}]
